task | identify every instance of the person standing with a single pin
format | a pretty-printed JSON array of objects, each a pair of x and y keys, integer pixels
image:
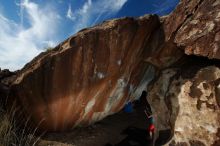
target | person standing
[
  {"x": 150, "y": 118},
  {"x": 151, "y": 127}
]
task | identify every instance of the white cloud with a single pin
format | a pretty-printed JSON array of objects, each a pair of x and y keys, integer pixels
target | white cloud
[
  {"x": 69, "y": 13},
  {"x": 92, "y": 11},
  {"x": 18, "y": 45}
]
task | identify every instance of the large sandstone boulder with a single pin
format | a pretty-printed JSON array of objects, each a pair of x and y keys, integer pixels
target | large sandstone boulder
[
  {"x": 90, "y": 75},
  {"x": 95, "y": 72},
  {"x": 186, "y": 105}
]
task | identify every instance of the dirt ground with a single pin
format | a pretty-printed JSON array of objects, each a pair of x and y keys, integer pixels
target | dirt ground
[{"x": 109, "y": 130}]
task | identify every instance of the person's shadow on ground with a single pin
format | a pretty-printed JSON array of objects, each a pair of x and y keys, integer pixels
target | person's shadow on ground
[{"x": 135, "y": 137}]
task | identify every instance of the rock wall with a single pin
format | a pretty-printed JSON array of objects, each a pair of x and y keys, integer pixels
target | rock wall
[
  {"x": 90, "y": 75},
  {"x": 186, "y": 106},
  {"x": 195, "y": 27},
  {"x": 185, "y": 99}
]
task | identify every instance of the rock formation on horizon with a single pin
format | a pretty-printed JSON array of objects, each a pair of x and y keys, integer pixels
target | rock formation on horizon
[{"x": 94, "y": 73}]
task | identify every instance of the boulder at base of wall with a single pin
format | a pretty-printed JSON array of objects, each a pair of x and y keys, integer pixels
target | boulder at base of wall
[{"x": 188, "y": 105}]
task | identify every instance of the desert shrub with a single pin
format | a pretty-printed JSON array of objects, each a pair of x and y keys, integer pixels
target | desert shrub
[{"x": 48, "y": 49}]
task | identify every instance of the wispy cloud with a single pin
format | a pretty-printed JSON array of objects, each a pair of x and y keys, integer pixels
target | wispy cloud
[
  {"x": 69, "y": 13},
  {"x": 164, "y": 7},
  {"x": 18, "y": 44},
  {"x": 91, "y": 12}
]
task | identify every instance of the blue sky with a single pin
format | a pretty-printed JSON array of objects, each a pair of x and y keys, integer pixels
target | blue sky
[{"x": 27, "y": 27}]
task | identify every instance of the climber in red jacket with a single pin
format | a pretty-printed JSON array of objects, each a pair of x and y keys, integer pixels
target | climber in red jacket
[
  {"x": 150, "y": 118},
  {"x": 151, "y": 127}
]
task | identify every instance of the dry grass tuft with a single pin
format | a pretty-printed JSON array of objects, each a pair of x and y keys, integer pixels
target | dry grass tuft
[{"x": 13, "y": 134}]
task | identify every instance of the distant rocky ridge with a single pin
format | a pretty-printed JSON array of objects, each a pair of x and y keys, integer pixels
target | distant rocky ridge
[{"x": 95, "y": 72}]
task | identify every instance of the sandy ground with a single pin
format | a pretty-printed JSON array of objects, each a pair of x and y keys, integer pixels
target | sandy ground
[{"x": 109, "y": 130}]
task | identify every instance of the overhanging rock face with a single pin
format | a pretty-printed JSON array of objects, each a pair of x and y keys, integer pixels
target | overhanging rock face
[{"x": 89, "y": 76}]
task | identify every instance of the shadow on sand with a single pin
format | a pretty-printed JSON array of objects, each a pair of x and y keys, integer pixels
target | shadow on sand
[{"x": 135, "y": 137}]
